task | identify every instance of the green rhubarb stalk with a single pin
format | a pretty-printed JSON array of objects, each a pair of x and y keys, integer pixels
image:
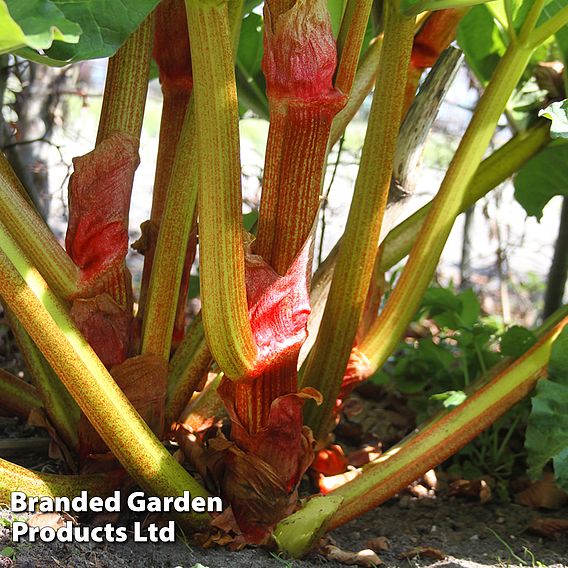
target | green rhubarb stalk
[
  {"x": 349, "y": 42},
  {"x": 60, "y": 407},
  {"x": 362, "y": 86},
  {"x": 494, "y": 170},
  {"x": 35, "y": 484},
  {"x": 328, "y": 360},
  {"x": 446, "y": 434},
  {"x": 222, "y": 268},
  {"x": 170, "y": 256},
  {"x": 34, "y": 236},
  {"x": 186, "y": 371},
  {"x": 297, "y": 533},
  {"x": 177, "y": 220},
  {"x": 127, "y": 84},
  {"x": 435, "y": 442},
  {"x": 17, "y": 396},
  {"x": 403, "y": 302},
  {"x": 549, "y": 28},
  {"x": 25, "y": 292},
  {"x": 171, "y": 53}
]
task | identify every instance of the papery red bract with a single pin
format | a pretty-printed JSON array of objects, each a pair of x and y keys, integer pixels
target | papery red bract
[
  {"x": 300, "y": 55},
  {"x": 281, "y": 450},
  {"x": 99, "y": 200},
  {"x": 105, "y": 325},
  {"x": 97, "y": 241},
  {"x": 279, "y": 307}
]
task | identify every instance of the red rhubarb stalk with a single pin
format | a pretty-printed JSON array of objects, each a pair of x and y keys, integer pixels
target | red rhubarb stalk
[{"x": 172, "y": 55}]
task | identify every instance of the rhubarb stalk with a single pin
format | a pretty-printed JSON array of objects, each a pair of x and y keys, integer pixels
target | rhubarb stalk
[
  {"x": 436, "y": 441},
  {"x": 328, "y": 360},
  {"x": 105, "y": 405},
  {"x": 126, "y": 85},
  {"x": 445, "y": 434},
  {"x": 417, "y": 274},
  {"x": 18, "y": 396},
  {"x": 59, "y": 406},
  {"x": 174, "y": 249},
  {"x": 225, "y": 311},
  {"x": 35, "y": 237},
  {"x": 99, "y": 202},
  {"x": 299, "y": 63},
  {"x": 187, "y": 370},
  {"x": 32, "y": 483},
  {"x": 172, "y": 55}
]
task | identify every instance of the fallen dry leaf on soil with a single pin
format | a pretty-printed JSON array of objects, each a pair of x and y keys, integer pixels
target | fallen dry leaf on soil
[
  {"x": 379, "y": 543},
  {"x": 362, "y": 558},
  {"x": 544, "y": 494},
  {"x": 548, "y": 527},
  {"x": 424, "y": 552},
  {"x": 53, "y": 520},
  {"x": 476, "y": 489}
]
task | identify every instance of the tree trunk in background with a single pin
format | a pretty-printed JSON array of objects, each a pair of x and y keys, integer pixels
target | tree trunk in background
[
  {"x": 559, "y": 268},
  {"x": 26, "y": 143}
]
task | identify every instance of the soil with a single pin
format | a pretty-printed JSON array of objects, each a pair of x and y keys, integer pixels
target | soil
[{"x": 468, "y": 534}]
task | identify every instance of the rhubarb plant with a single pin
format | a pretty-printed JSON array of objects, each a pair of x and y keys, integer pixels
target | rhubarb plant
[{"x": 117, "y": 372}]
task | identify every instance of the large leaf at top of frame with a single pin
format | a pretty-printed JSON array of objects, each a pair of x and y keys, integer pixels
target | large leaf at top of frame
[
  {"x": 483, "y": 36},
  {"x": 482, "y": 40},
  {"x": 105, "y": 26},
  {"x": 543, "y": 177},
  {"x": 547, "y": 430},
  {"x": 34, "y": 23},
  {"x": 520, "y": 9}
]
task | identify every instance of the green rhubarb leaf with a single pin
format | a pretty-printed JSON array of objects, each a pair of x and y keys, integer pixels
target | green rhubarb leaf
[
  {"x": 551, "y": 7},
  {"x": 34, "y": 23},
  {"x": 547, "y": 431},
  {"x": 557, "y": 113},
  {"x": 543, "y": 177},
  {"x": 516, "y": 341},
  {"x": 12, "y": 36},
  {"x": 482, "y": 40},
  {"x": 105, "y": 25},
  {"x": 336, "y": 9},
  {"x": 250, "y": 50}
]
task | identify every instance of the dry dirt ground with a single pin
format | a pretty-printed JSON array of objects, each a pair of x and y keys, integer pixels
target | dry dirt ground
[{"x": 469, "y": 535}]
